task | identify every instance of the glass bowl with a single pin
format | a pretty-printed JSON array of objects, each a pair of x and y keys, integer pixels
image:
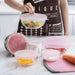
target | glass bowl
[
  {"x": 26, "y": 57},
  {"x": 33, "y": 21}
]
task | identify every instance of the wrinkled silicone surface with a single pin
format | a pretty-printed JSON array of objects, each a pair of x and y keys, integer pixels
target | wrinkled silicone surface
[{"x": 33, "y": 17}]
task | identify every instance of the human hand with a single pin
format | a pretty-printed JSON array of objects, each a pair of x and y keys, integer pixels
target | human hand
[{"x": 27, "y": 8}]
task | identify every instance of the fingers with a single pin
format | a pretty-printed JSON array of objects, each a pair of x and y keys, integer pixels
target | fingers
[
  {"x": 27, "y": 9},
  {"x": 30, "y": 8}
]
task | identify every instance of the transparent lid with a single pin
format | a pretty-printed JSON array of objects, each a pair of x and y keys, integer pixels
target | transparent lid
[
  {"x": 33, "y": 17},
  {"x": 57, "y": 42},
  {"x": 50, "y": 52},
  {"x": 26, "y": 54}
]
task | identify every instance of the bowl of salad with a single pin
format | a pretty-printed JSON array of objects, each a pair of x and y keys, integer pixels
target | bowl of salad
[{"x": 33, "y": 21}]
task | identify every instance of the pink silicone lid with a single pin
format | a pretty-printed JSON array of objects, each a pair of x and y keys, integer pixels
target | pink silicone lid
[
  {"x": 33, "y": 17},
  {"x": 57, "y": 42},
  {"x": 50, "y": 52},
  {"x": 26, "y": 54}
]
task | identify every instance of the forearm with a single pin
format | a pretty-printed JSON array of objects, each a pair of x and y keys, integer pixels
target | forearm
[
  {"x": 14, "y": 4},
  {"x": 64, "y": 11}
]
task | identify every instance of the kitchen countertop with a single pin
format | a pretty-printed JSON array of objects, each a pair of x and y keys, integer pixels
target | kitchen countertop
[
  {"x": 8, "y": 10},
  {"x": 9, "y": 65}
]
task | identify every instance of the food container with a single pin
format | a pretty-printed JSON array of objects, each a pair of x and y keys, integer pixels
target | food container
[
  {"x": 57, "y": 42},
  {"x": 15, "y": 42},
  {"x": 35, "y": 46},
  {"x": 50, "y": 55},
  {"x": 26, "y": 57},
  {"x": 33, "y": 21}
]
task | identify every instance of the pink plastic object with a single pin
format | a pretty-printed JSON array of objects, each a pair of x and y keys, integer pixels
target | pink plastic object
[
  {"x": 57, "y": 42},
  {"x": 33, "y": 17},
  {"x": 61, "y": 65},
  {"x": 50, "y": 55},
  {"x": 26, "y": 54},
  {"x": 15, "y": 42}
]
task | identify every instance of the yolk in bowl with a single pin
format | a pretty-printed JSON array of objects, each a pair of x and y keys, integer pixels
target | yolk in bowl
[{"x": 26, "y": 61}]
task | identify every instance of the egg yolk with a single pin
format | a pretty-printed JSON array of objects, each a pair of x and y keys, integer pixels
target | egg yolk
[{"x": 26, "y": 61}]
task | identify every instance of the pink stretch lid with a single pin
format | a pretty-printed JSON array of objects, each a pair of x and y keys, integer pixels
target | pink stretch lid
[
  {"x": 33, "y": 17},
  {"x": 26, "y": 54},
  {"x": 57, "y": 42},
  {"x": 50, "y": 52}
]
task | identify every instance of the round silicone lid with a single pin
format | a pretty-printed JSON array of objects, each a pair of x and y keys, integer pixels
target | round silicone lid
[
  {"x": 26, "y": 54},
  {"x": 57, "y": 42},
  {"x": 33, "y": 17},
  {"x": 50, "y": 52}
]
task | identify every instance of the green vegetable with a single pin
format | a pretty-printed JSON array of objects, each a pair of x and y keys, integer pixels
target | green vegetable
[
  {"x": 37, "y": 23},
  {"x": 26, "y": 22},
  {"x": 33, "y": 24}
]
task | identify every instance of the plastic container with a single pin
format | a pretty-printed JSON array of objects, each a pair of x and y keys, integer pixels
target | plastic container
[
  {"x": 60, "y": 42},
  {"x": 26, "y": 57},
  {"x": 33, "y": 21},
  {"x": 12, "y": 44},
  {"x": 50, "y": 55},
  {"x": 35, "y": 46}
]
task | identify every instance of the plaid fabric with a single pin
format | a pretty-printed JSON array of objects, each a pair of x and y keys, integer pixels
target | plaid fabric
[{"x": 52, "y": 26}]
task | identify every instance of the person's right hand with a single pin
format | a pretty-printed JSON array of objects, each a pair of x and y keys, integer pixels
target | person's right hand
[{"x": 27, "y": 8}]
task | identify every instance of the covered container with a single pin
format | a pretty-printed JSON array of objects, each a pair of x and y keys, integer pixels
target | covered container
[
  {"x": 26, "y": 57},
  {"x": 57, "y": 42},
  {"x": 33, "y": 21},
  {"x": 15, "y": 42},
  {"x": 50, "y": 55}
]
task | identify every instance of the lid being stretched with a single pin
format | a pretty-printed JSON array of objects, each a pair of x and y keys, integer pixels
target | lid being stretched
[{"x": 33, "y": 17}]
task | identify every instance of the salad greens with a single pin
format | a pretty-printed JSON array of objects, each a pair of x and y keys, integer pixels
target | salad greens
[{"x": 32, "y": 24}]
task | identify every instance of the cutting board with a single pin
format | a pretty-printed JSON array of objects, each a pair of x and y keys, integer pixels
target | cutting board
[{"x": 59, "y": 66}]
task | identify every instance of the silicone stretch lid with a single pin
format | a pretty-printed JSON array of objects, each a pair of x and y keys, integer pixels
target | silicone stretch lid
[
  {"x": 57, "y": 42},
  {"x": 33, "y": 17},
  {"x": 26, "y": 54},
  {"x": 50, "y": 52}
]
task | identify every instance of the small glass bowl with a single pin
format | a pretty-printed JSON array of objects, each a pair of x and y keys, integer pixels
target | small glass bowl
[
  {"x": 50, "y": 54},
  {"x": 26, "y": 57},
  {"x": 33, "y": 21}
]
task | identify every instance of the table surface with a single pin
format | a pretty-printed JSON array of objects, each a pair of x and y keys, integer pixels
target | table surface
[{"x": 9, "y": 65}]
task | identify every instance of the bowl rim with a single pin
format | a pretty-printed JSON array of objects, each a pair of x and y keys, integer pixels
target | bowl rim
[
  {"x": 34, "y": 54},
  {"x": 45, "y": 52},
  {"x": 22, "y": 16}
]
